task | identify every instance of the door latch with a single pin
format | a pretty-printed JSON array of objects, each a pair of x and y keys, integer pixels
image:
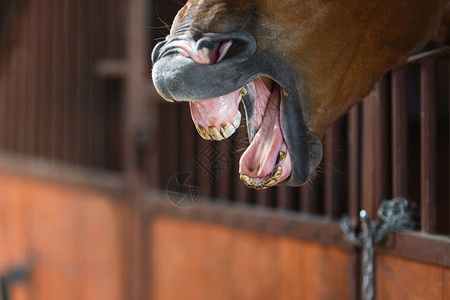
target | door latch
[{"x": 398, "y": 214}]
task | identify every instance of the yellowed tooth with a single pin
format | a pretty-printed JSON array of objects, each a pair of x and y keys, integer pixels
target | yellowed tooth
[
  {"x": 244, "y": 178},
  {"x": 243, "y": 91},
  {"x": 227, "y": 129},
  {"x": 203, "y": 133},
  {"x": 269, "y": 181},
  {"x": 261, "y": 186},
  {"x": 277, "y": 173},
  {"x": 282, "y": 155},
  {"x": 237, "y": 120},
  {"x": 257, "y": 185},
  {"x": 214, "y": 133}
]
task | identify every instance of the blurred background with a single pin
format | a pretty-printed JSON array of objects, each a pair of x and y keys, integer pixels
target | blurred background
[{"x": 108, "y": 192}]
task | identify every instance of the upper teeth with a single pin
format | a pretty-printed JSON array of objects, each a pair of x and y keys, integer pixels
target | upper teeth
[
  {"x": 237, "y": 120},
  {"x": 226, "y": 129}
]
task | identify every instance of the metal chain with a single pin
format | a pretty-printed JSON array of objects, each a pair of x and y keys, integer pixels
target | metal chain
[{"x": 397, "y": 214}]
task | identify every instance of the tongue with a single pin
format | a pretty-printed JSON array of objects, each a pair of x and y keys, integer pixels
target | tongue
[{"x": 260, "y": 158}]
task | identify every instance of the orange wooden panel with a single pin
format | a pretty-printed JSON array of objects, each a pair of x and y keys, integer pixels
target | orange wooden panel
[
  {"x": 398, "y": 278},
  {"x": 447, "y": 284},
  {"x": 189, "y": 263},
  {"x": 254, "y": 271},
  {"x": 290, "y": 287},
  {"x": 73, "y": 235},
  {"x": 19, "y": 291},
  {"x": 194, "y": 260}
]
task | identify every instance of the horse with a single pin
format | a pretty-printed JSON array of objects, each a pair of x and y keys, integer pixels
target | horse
[{"x": 296, "y": 65}]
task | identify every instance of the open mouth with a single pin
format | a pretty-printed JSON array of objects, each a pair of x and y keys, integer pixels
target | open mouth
[
  {"x": 219, "y": 71},
  {"x": 267, "y": 161}
]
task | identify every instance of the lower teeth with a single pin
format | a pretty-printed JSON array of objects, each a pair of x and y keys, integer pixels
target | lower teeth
[{"x": 266, "y": 183}]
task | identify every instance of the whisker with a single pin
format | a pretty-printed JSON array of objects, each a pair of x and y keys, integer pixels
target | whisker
[
  {"x": 179, "y": 2},
  {"x": 166, "y": 26},
  {"x": 248, "y": 20}
]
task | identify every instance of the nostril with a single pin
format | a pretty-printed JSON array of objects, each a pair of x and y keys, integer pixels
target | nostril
[
  {"x": 215, "y": 50},
  {"x": 156, "y": 50},
  {"x": 206, "y": 43}
]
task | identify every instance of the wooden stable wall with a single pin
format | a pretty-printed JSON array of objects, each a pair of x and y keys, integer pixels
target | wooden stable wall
[
  {"x": 198, "y": 260},
  {"x": 398, "y": 278},
  {"x": 194, "y": 260},
  {"x": 72, "y": 237}
]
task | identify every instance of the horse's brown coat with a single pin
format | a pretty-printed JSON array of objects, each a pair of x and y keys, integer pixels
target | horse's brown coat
[
  {"x": 325, "y": 54},
  {"x": 340, "y": 48}
]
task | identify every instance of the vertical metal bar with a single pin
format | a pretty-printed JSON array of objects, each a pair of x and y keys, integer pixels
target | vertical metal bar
[
  {"x": 285, "y": 198},
  {"x": 265, "y": 197},
  {"x": 134, "y": 115},
  {"x": 428, "y": 145},
  {"x": 55, "y": 79},
  {"x": 383, "y": 140},
  {"x": 23, "y": 78},
  {"x": 369, "y": 183},
  {"x": 225, "y": 159},
  {"x": 31, "y": 100},
  {"x": 46, "y": 77},
  {"x": 90, "y": 104},
  {"x": 99, "y": 52},
  {"x": 11, "y": 94},
  {"x": 3, "y": 99},
  {"x": 187, "y": 138},
  {"x": 333, "y": 188},
  {"x": 155, "y": 155},
  {"x": 375, "y": 176},
  {"x": 242, "y": 193},
  {"x": 354, "y": 185},
  {"x": 311, "y": 198},
  {"x": 354, "y": 154},
  {"x": 2, "y": 108},
  {"x": 40, "y": 75},
  {"x": 76, "y": 151},
  {"x": 64, "y": 95},
  {"x": 101, "y": 86},
  {"x": 399, "y": 134},
  {"x": 203, "y": 161},
  {"x": 169, "y": 155},
  {"x": 68, "y": 141},
  {"x": 110, "y": 34}
]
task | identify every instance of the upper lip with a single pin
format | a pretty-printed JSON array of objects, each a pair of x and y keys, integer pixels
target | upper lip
[{"x": 209, "y": 40}]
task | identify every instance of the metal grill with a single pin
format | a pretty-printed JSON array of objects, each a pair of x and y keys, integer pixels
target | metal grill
[
  {"x": 55, "y": 104},
  {"x": 387, "y": 146},
  {"x": 52, "y": 103}
]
